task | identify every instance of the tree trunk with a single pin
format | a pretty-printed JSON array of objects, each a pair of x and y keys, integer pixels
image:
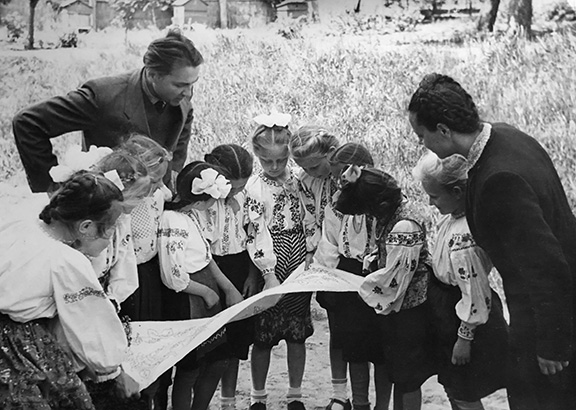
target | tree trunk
[
  {"x": 521, "y": 16},
  {"x": 357, "y": 8},
  {"x": 487, "y": 22},
  {"x": 223, "y": 5},
  {"x": 33, "y": 4}
]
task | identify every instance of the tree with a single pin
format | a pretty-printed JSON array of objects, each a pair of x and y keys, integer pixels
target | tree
[
  {"x": 130, "y": 9},
  {"x": 487, "y": 22},
  {"x": 521, "y": 16},
  {"x": 33, "y": 4}
]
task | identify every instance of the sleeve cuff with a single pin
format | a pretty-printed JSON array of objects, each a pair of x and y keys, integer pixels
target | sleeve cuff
[
  {"x": 466, "y": 331},
  {"x": 103, "y": 377}
]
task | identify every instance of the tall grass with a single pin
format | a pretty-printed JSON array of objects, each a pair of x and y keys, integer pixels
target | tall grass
[{"x": 357, "y": 86}]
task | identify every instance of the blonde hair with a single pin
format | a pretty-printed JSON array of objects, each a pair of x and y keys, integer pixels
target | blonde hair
[
  {"x": 448, "y": 172},
  {"x": 132, "y": 171},
  {"x": 153, "y": 155},
  {"x": 265, "y": 136},
  {"x": 312, "y": 140}
]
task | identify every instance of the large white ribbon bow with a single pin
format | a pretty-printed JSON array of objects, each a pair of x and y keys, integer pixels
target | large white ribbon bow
[{"x": 211, "y": 183}]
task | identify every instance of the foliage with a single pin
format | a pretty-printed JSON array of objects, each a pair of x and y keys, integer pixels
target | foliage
[
  {"x": 354, "y": 85},
  {"x": 16, "y": 26},
  {"x": 133, "y": 12},
  {"x": 68, "y": 40},
  {"x": 561, "y": 11}
]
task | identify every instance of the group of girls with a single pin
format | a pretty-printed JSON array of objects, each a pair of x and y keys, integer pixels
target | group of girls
[{"x": 115, "y": 243}]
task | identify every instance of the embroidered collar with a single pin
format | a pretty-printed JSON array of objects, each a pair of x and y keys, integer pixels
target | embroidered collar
[
  {"x": 146, "y": 88},
  {"x": 479, "y": 144}
]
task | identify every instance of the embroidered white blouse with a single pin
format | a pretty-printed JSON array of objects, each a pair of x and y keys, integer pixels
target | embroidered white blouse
[
  {"x": 351, "y": 236},
  {"x": 273, "y": 207},
  {"x": 316, "y": 195},
  {"x": 385, "y": 288},
  {"x": 146, "y": 222},
  {"x": 41, "y": 277},
  {"x": 224, "y": 225},
  {"x": 458, "y": 261},
  {"x": 182, "y": 248},
  {"x": 116, "y": 265}
]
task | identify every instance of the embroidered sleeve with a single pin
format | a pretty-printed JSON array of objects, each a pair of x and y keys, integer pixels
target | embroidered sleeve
[
  {"x": 312, "y": 218},
  {"x": 471, "y": 267},
  {"x": 327, "y": 253},
  {"x": 384, "y": 289},
  {"x": 259, "y": 240},
  {"x": 172, "y": 239},
  {"x": 86, "y": 317},
  {"x": 124, "y": 272}
]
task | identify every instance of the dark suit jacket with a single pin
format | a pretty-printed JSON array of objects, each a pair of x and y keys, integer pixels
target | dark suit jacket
[
  {"x": 518, "y": 212},
  {"x": 106, "y": 110}
]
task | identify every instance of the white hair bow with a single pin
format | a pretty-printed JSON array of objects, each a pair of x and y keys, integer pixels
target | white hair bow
[
  {"x": 351, "y": 174},
  {"x": 211, "y": 183},
  {"x": 273, "y": 119},
  {"x": 77, "y": 160}
]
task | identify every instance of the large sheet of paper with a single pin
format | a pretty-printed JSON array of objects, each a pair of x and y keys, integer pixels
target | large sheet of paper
[{"x": 157, "y": 346}]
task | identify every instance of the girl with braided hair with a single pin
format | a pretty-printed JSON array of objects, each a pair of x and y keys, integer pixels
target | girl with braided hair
[
  {"x": 397, "y": 279},
  {"x": 225, "y": 224},
  {"x": 195, "y": 281},
  {"x": 47, "y": 281},
  {"x": 354, "y": 344}
]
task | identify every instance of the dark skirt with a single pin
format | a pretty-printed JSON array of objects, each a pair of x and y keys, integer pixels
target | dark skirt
[
  {"x": 240, "y": 334},
  {"x": 182, "y": 306},
  {"x": 353, "y": 324},
  {"x": 35, "y": 373},
  {"x": 486, "y": 371},
  {"x": 408, "y": 345},
  {"x": 145, "y": 304},
  {"x": 290, "y": 319}
]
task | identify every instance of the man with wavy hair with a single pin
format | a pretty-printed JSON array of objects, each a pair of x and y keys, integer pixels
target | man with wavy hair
[{"x": 153, "y": 101}]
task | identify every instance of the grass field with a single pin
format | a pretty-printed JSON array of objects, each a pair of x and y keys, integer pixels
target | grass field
[{"x": 358, "y": 86}]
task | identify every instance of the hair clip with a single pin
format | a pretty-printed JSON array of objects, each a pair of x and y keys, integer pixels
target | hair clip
[
  {"x": 273, "y": 119},
  {"x": 115, "y": 179},
  {"x": 77, "y": 160},
  {"x": 212, "y": 183},
  {"x": 351, "y": 174}
]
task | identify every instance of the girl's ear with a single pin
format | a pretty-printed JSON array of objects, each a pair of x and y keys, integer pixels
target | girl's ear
[
  {"x": 444, "y": 130},
  {"x": 458, "y": 191},
  {"x": 86, "y": 227}
]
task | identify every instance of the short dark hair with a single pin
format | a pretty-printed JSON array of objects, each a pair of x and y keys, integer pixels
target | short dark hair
[
  {"x": 374, "y": 193},
  {"x": 173, "y": 51},
  {"x": 439, "y": 99},
  {"x": 235, "y": 161}
]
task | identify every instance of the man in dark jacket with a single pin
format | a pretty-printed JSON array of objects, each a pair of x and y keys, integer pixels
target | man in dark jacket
[
  {"x": 153, "y": 101},
  {"x": 518, "y": 212}
]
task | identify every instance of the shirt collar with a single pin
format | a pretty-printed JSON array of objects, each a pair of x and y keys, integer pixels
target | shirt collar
[
  {"x": 479, "y": 144},
  {"x": 146, "y": 88}
]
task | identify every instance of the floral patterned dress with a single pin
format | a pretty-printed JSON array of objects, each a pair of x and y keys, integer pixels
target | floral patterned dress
[
  {"x": 464, "y": 306},
  {"x": 277, "y": 245},
  {"x": 396, "y": 289}
]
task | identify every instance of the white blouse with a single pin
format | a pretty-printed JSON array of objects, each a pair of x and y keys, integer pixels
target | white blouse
[
  {"x": 385, "y": 288},
  {"x": 117, "y": 263},
  {"x": 146, "y": 222},
  {"x": 458, "y": 261},
  {"x": 182, "y": 249},
  {"x": 41, "y": 277},
  {"x": 350, "y": 236},
  {"x": 316, "y": 195},
  {"x": 273, "y": 207},
  {"x": 224, "y": 225}
]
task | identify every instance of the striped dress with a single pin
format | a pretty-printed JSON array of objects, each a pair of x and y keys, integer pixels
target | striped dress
[{"x": 276, "y": 243}]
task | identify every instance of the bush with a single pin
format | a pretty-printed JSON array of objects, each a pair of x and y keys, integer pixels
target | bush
[{"x": 16, "y": 26}]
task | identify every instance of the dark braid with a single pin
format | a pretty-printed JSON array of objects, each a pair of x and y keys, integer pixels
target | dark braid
[
  {"x": 235, "y": 161},
  {"x": 86, "y": 195},
  {"x": 439, "y": 99},
  {"x": 380, "y": 191}
]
